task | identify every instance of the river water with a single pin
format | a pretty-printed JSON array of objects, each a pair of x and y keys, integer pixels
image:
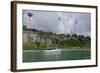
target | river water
[{"x": 55, "y": 55}]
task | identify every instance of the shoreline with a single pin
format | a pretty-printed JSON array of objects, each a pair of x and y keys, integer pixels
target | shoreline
[{"x": 59, "y": 49}]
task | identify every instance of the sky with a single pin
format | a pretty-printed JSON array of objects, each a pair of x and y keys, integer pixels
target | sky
[{"x": 58, "y": 22}]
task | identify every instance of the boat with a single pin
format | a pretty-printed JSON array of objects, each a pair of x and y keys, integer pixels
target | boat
[{"x": 52, "y": 47}]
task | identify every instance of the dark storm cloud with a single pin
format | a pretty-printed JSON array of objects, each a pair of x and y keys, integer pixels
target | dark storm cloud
[{"x": 58, "y": 22}]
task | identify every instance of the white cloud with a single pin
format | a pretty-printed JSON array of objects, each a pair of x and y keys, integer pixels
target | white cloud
[{"x": 59, "y": 22}]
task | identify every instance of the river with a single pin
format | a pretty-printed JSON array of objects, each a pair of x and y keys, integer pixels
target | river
[{"x": 55, "y": 55}]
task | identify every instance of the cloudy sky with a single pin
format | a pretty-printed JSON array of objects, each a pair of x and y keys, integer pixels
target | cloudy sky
[{"x": 58, "y": 22}]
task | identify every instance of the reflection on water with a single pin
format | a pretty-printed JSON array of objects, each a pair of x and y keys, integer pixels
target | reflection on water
[
  {"x": 55, "y": 55},
  {"x": 52, "y": 54}
]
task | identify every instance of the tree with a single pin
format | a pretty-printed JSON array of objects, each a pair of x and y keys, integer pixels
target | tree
[
  {"x": 81, "y": 38},
  {"x": 34, "y": 30},
  {"x": 68, "y": 35},
  {"x": 74, "y": 35},
  {"x": 24, "y": 27},
  {"x": 88, "y": 38}
]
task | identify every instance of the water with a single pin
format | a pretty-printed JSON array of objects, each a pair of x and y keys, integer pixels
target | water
[{"x": 55, "y": 55}]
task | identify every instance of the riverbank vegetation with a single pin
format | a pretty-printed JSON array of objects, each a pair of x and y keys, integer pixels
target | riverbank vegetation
[{"x": 50, "y": 40}]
